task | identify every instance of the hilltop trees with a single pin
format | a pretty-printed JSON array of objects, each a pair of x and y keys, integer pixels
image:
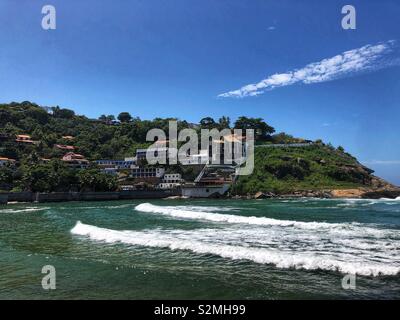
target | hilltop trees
[
  {"x": 63, "y": 113},
  {"x": 262, "y": 129},
  {"x": 224, "y": 122},
  {"x": 107, "y": 119},
  {"x": 95, "y": 139},
  {"x": 124, "y": 117},
  {"x": 207, "y": 123}
]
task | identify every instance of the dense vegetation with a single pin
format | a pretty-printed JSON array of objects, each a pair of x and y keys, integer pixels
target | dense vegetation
[
  {"x": 276, "y": 169},
  {"x": 314, "y": 167},
  {"x": 55, "y": 176}
]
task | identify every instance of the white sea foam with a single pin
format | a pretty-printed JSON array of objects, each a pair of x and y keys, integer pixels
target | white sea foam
[
  {"x": 308, "y": 250},
  {"x": 119, "y": 206},
  {"x": 208, "y": 208},
  {"x": 29, "y": 209},
  {"x": 345, "y": 202},
  {"x": 359, "y": 203},
  {"x": 338, "y": 228}
]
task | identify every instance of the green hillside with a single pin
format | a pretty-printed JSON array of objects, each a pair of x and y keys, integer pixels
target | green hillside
[
  {"x": 314, "y": 167},
  {"x": 282, "y": 169}
]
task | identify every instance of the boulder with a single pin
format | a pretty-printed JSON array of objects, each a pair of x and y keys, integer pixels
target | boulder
[{"x": 264, "y": 195}]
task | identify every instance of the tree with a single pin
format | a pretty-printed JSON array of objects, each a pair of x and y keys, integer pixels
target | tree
[
  {"x": 38, "y": 178},
  {"x": 63, "y": 113},
  {"x": 92, "y": 179},
  {"x": 6, "y": 177},
  {"x": 39, "y": 114},
  {"x": 107, "y": 119},
  {"x": 261, "y": 128},
  {"x": 207, "y": 123},
  {"x": 224, "y": 122},
  {"x": 48, "y": 177},
  {"x": 110, "y": 118},
  {"x": 124, "y": 117}
]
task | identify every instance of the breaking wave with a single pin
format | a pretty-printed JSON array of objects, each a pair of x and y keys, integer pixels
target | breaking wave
[
  {"x": 367, "y": 202},
  {"x": 33, "y": 209},
  {"x": 283, "y": 248},
  {"x": 339, "y": 228}
]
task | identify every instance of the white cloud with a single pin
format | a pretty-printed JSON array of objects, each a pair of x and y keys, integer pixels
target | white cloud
[
  {"x": 271, "y": 28},
  {"x": 367, "y": 58},
  {"x": 382, "y": 162}
]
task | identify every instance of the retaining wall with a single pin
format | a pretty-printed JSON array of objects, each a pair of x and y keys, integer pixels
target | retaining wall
[{"x": 85, "y": 196}]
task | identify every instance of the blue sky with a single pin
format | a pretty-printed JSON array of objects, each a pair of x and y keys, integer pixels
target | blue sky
[{"x": 158, "y": 58}]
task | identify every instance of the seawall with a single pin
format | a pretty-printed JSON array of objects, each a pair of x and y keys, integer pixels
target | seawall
[{"x": 85, "y": 196}]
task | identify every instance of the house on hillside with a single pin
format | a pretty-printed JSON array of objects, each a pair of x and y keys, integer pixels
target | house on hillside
[
  {"x": 25, "y": 138},
  {"x": 75, "y": 160},
  {"x": 64, "y": 147}
]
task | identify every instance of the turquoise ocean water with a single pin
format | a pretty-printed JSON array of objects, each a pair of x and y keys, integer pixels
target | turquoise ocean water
[{"x": 202, "y": 249}]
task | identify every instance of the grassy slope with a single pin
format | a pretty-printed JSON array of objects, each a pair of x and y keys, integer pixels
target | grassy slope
[{"x": 314, "y": 167}]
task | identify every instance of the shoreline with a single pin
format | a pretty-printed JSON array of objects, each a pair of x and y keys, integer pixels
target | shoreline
[
  {"x": 32, "y": 197},
  {"x": 354, "y": 193}
]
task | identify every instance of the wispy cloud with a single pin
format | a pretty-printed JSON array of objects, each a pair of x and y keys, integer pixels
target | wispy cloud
[
  {"x": 383, "y": 162},
  {"x": 367, "y": 58},
  {"x": 271, "y": 28}
]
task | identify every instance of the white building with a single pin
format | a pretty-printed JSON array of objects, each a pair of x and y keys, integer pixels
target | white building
[
  {"x": 195, "y": 159},
  {"x": 171, "y": 181},
  {"x": 147, "y": 172},
  {"x": 131, "y": 159},
  {"x": 205, "y": 191},
  {"x": 155, "y": 153},
  {"x": 116, "y": 164},
  {"x": 172, "y": 178}
]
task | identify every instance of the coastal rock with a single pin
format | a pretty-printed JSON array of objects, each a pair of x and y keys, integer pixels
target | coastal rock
[
  {"x": 264, "y": 195},
  {"x": 347, "y": 193},
  {"x": 367, "y": 193},
  {"x": 383, "y": 193},
  {"x": 175, "y": 198}
]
